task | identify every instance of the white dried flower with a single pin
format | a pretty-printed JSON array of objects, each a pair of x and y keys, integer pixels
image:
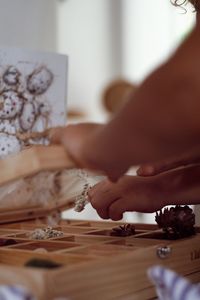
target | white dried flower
[{"x": 45, "y": 233}]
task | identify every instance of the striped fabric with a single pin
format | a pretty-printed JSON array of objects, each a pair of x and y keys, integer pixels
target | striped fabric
[
  {"x": 18, "y": 293},
  {"x": 14, "y": 293},
  {"x": 171, "y": 286}
]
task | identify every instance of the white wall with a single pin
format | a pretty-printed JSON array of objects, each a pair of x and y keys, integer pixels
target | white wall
[
  {"x": 151, "y": 31},
  {"x": 28, "y": 23},
  {"x": 107, "y": 39},
  {"x": 85, "y": 32}
]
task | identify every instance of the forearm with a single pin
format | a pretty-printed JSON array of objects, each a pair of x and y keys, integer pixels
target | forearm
[
  {"x": 180, "y": 186},
  {"x": 162, "y": 117}
]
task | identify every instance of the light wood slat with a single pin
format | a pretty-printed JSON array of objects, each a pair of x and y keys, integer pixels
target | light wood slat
[
  {"x": 33, "y": 160},
  {"x": 32, "y": 213}
]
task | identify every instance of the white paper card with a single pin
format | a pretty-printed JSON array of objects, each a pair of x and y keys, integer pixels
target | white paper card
[
  {"x": 37, "y": 80},
  {"x": 33, "y": 89}
]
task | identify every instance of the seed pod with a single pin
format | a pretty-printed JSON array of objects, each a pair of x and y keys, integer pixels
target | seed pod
[
  {"x": 7, "y": 242},
  {"x": 123, "y": 230}
]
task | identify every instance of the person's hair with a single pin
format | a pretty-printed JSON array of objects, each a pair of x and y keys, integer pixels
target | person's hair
[{"x": 195, "y": 3}]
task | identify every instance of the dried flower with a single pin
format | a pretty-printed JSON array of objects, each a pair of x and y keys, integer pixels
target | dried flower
[
  {"x": 7, "y": 242},
  {"x": 176, "y": 222},
  {"x": 45, "y": 233},
  {"x": 123, "y": 230},
  {"x": 82, "y": 199}
]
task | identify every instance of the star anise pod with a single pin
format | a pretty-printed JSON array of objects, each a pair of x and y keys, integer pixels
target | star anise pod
[
  {"x": 123, "y": 230},
  {"x": 176, "y": 222}
]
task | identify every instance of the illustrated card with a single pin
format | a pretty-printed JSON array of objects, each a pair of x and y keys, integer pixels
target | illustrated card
[
  {"x": 33, "y": 92},
  {"x": 32, "y": 86}
]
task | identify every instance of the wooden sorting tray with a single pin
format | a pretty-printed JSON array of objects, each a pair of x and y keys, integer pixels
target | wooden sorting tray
[{"x": 95, "y": 265}]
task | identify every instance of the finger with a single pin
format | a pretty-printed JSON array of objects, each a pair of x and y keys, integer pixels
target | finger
[
  {"x": 146, "y": 170},
  {"x": 121, "y": 205},
  {"x": 117, "y": 209},
  {"x": 101, "y": 208},
  {"x": 95, "y": 195},
  {"x": 101, "y": 197},
  {"x": 115, "y": 174},
  {"x": 184, "y": 159},
  {"x": 96, "y": 188},
  {"x": 161, "y": 167},
  {"x": 62, "y": 134}
]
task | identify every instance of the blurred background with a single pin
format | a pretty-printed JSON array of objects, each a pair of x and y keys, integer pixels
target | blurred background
[{"x": 108, "y": 41}]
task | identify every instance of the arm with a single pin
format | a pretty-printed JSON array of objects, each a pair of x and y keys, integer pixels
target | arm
[
  {"x": 163, "y": 115},
  {"x": 160, "y": 120}
]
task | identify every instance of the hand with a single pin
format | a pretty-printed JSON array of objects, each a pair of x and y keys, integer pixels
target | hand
[
  {"x": 130, "y": 193},
  {"x": 73, "y": 137},
  {"x": 190, "y": 158},
  {"x": 146, "y": 194},
  {"x": 82, "y": 144}
]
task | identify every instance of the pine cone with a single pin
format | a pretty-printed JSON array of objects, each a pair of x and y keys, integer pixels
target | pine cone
[{"x": 176, "y": 222}]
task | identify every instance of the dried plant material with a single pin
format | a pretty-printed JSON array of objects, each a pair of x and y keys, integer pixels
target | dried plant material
[
  {"x": 7, "y": 242},
  {"x": 49, "y": 190},
  {"x": 82, "y": 199},
  {"x": 42, "y": 263},
  {"x": 45, "y": 234},
  {"x": 41, "y": 250},
  {"x": 123, "y": 230},
  {"x": 176, "y": 222},
  {"x": 80, "y": 203},
  {"x": 76, "y": 184}
]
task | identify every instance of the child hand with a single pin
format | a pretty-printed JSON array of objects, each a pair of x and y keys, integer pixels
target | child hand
[
  {"x": 130, "y": 193},
  {"x": 146, "y": 194}
]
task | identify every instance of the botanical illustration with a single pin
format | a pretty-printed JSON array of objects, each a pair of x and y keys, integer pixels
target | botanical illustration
[{"x": 22, "y": 105}]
